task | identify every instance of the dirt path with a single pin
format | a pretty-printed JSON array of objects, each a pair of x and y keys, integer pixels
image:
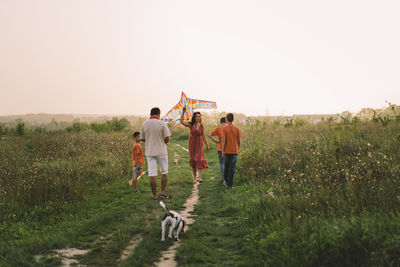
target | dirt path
[
  {"x": 168, "y": 257},
  {"x": 184, "y": 148},
  {"x": 131, "y": 247},
  {"x": 65, "y": 255}
]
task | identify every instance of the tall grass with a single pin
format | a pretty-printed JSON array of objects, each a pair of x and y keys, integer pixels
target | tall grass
[
  {"x": 327, "y": 194},
  {"x": 40, "y": 173}
]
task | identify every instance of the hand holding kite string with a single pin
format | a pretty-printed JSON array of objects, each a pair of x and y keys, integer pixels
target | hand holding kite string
[
  {"x": 183, "y": 113},
  {"x": 184, "y": 109},
  {"x": 182, "y": 120}
]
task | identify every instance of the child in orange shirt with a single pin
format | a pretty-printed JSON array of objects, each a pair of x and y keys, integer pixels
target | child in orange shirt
[{"x": 137, "y": 160}]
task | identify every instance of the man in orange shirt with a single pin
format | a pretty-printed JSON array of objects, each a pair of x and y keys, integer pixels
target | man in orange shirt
[
  {"x": 218, "y": 133},
  {"x": 230, "y": 148},
  {"x": 137, "y": 159}
]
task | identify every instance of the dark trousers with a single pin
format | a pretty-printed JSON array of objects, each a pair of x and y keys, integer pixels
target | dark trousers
[
  {"x": 221, "y": 165},
  {"x": 230, "y": 163}
]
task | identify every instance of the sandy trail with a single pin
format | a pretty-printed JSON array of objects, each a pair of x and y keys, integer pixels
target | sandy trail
[
  {"x": 168, "y": 257},
  {"x": 66, "y": 255},
  {"x": 184, "y": 148},
  {"x": 131, "y": 247}
]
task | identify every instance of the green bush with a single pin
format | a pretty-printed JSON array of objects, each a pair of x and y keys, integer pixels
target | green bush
[
  {"x": 76, "y": 127},
  {"x": 116, "y": 125},
  {"x": 20, "y": 128}
]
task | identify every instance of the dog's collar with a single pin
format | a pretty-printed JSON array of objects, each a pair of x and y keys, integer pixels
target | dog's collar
[{"x": 177, "y": 225}]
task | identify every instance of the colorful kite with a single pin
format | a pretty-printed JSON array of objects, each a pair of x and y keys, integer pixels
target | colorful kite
[{"x": 173, "y": 116}]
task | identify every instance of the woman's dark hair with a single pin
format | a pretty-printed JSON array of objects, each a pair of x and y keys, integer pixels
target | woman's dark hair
[
  {"x": 222, "y": 120},
  {"x": 194, "y": 118},
  {"x": 136, "y": 134},
  {"x": 155, "y": 111}
]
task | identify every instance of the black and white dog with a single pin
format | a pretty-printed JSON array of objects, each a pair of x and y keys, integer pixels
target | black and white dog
[{"x": 175, "y": 221}]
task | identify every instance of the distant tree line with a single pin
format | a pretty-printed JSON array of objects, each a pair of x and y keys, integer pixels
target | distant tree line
[{"x": 115, "y": 124}]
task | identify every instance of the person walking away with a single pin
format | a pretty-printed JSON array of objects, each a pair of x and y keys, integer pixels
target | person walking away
[
  {"x": 216, "y": 136},
  {"x": 137, "y": 160},
  {"x": 197, "y": 138},
  {"x": 230, "y": 148},
  {"x": 156, "y": 135}
]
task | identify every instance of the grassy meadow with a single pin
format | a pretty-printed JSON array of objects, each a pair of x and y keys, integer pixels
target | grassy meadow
[
  {"x": 325, "y": 195},
  {"x": 306, "y": 194}
]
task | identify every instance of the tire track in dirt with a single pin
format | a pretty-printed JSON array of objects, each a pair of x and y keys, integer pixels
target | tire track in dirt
[
  {"x": 167, "y": 258},
  {"x": 184, "y": 148},
  {"x": 67, "y": 256},
  {"x": 131, "y": 247}
]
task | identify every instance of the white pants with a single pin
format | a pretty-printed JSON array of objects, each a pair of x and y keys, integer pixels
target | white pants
[{"x": 152, "y": 164}]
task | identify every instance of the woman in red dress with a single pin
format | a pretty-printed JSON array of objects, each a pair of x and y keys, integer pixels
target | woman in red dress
[{"x": 197, "y": 138}]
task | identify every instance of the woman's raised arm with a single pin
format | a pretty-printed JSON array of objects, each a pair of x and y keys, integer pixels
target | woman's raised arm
[{"x": 184, "y": 123}]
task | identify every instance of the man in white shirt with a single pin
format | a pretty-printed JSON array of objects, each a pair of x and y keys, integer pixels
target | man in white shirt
[{"x": 155, "y": 134}]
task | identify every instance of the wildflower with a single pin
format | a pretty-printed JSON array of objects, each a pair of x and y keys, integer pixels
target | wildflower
[{"x": 270, "y": 193}]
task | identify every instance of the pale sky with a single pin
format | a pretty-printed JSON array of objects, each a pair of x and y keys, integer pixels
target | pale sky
[{"x": 124, "y": 57}]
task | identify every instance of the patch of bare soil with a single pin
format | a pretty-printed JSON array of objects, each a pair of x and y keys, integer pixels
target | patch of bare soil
[
  {"x": 66, "y": 255},
  {"x": 176, "y": 158}
]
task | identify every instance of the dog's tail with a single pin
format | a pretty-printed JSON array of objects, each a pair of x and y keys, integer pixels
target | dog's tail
[{"x": 164, "y": 206}]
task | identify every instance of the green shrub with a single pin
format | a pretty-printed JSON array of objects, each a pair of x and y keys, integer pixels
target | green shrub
[
  {"x": 76, "y": 127},
  {"x": 20, "y": 128},
  {"x": 116, "y": 125}
]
